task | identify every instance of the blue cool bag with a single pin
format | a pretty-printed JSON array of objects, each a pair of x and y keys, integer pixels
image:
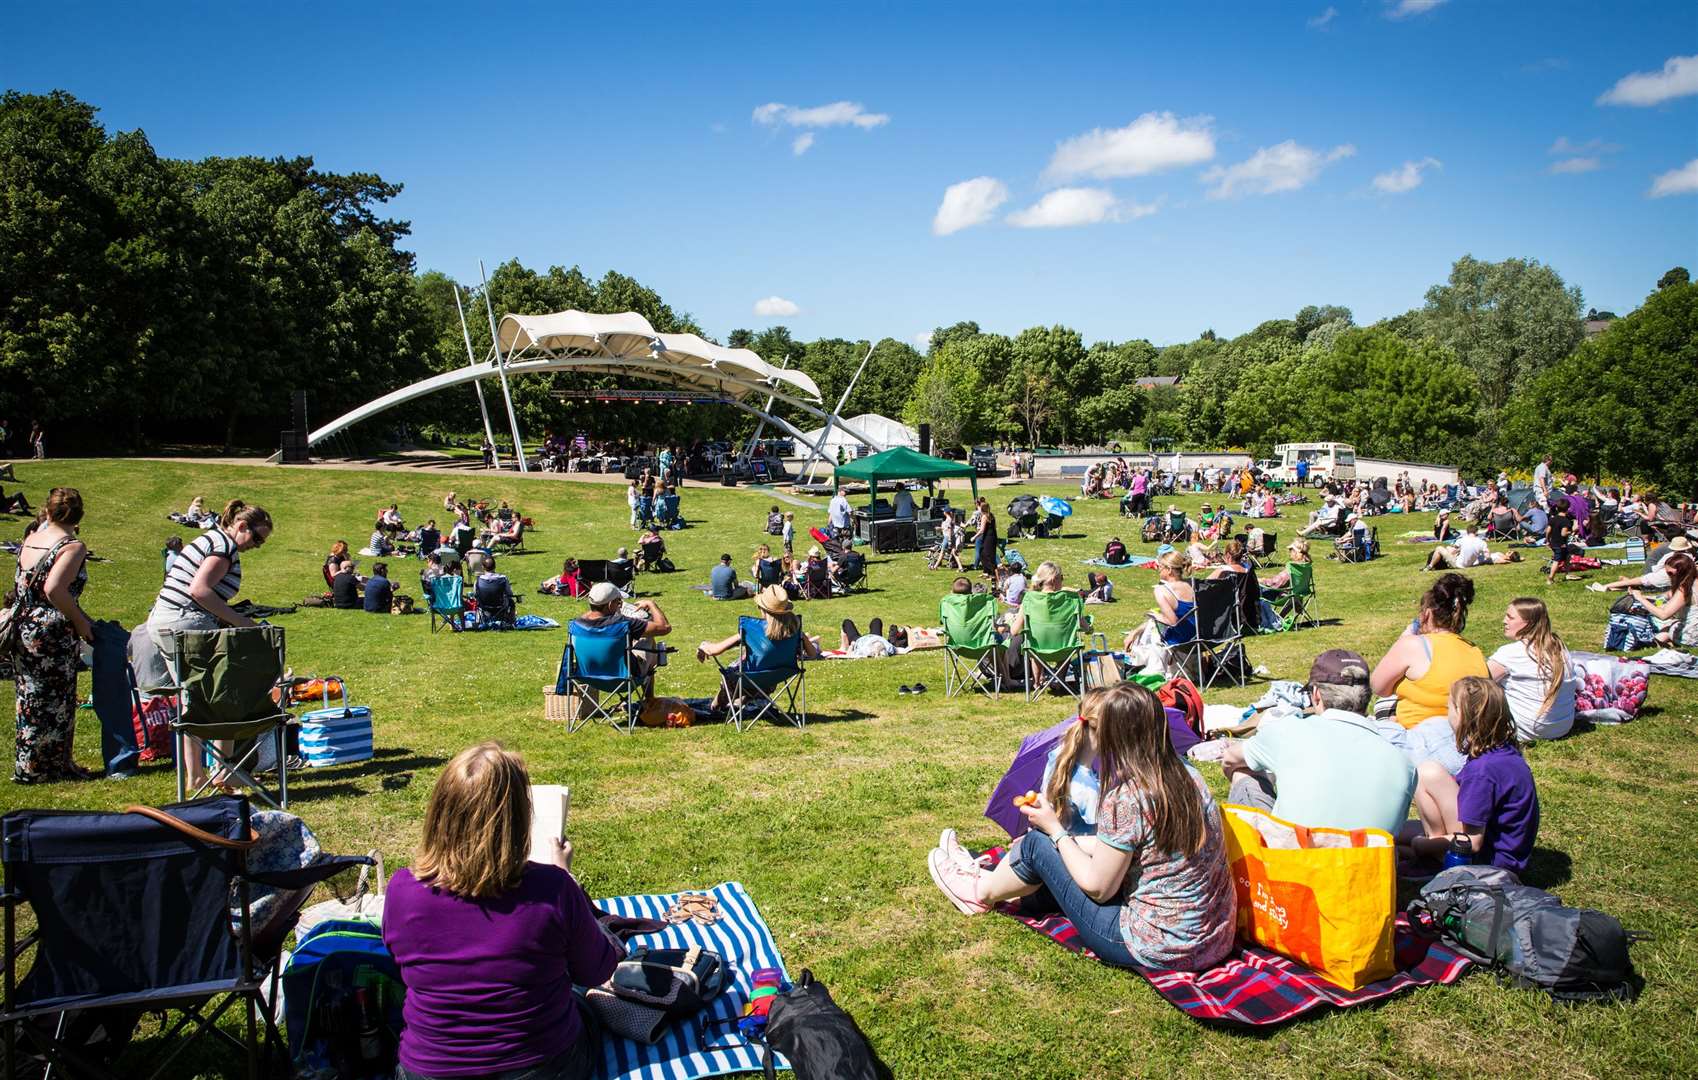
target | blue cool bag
[{"x": 336, "y": 736}]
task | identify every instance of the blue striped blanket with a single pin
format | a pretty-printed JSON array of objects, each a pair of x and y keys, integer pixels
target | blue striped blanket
[{"x": 708, "y": 1044}]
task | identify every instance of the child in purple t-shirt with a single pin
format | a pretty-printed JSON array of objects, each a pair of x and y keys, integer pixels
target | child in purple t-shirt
[{"x": 1492, "y": 803}]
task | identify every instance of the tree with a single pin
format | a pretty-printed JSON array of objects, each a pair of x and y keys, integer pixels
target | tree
[
  {"x": 1676, "y": 276},
  {"x": 1387, "y": 397},
  {"x": 1633, "y": 420},
  {"x": 946, "y": 396},
  {"x": 1506, "y": 321},
  {"x": 1048, "y": 365}
]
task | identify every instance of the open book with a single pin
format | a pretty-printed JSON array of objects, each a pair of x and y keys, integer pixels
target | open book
[{"x": 549, "y": 804}]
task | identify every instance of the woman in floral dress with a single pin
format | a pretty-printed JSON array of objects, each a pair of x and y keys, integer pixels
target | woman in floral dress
[{"x": 49, "y": 580}]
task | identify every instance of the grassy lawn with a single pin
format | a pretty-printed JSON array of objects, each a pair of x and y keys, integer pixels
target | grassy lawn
[{"x": 829, "y": 827}]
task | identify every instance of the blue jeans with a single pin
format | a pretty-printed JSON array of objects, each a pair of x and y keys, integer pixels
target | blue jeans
[
  {"x": 1035, "y": 860},
  {"x": 113, "y": 699}
]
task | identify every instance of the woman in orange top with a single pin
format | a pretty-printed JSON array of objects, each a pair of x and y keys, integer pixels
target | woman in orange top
[{"x": 1431, "y": 655}]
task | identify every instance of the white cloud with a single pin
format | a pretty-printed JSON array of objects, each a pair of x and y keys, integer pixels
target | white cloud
[
  {"x": 1681, "y": 181},
  {"x": 1319, "y": 22},
  {"x": 1406, "y": 8},
  {"x": 775, "y": 307},
  {"x": 1564, "y": 145},
  {"x": 971, "y": 202},
  {"x": 923, "y": 339},
  {"x": 1065, "y": 207},
  {"x": 803, "y": 141},
  {"x": 1576, "y": 165},
  {"x": 837, "y": 114},
  {"x": 1406, "y": 178},
  {"x": 1272, "y": 169},
  {"x": 1679, "y": 78},
  {"x": 1151, "y": 143}
]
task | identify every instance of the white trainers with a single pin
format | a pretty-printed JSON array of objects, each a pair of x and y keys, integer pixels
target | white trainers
[
  {"x": 959, "y": 883},
  {"x": 956, "y": 852}
]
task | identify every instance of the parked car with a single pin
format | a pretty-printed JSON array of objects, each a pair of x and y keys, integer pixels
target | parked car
[{"x": 983, "y": 459}]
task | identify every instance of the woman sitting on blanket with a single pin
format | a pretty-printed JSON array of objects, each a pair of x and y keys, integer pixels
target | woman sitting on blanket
[
  {"x": 1538, "y": 679},
  {"x": 489, "y": 944},
  {"x": 1151, "y": 888},
  {"x": 1430, "y": 656},
  {"x": 1677, "y": 617}
]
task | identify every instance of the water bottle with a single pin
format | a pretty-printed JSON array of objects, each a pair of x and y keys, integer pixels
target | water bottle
[{"x": 1460, "y": 852}]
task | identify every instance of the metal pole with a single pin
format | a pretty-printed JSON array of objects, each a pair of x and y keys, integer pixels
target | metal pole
[
  {"x": 825, "y": 436},
  {"x": 501, "y": 366},
  {"x": 471, "y": 359},
  {"x": 761, "y": 427}
]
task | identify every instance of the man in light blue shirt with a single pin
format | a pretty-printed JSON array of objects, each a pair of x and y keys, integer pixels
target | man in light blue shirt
[
  {"x": 1329, "y": 767},
  {"x": 838, "y": 511}
]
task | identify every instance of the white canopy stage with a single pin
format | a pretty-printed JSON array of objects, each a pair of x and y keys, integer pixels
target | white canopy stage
[
  {"x": 623, "y": 344},
  {"x": 888, "y": 433}
]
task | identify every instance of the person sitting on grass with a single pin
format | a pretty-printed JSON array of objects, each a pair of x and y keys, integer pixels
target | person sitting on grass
[
  {"x": 1677, "y": 616},
  {"x": 14, "y": 503},
  {"x": 1151, "y": 888},
  {"x": 345, "y": 588},
  {"x": 333, "y": 562},
  {"x": 1328, "y": 768},
  {"x": 1537, "y": 677},
  {"x": 1492, "y": 805},
  {"x": 488, "y": 943},
  {"x": 380, "y": 594},
  {"x": 1468, "y": 552},
  {"x": 173, "y": 547},
  {"x": 1656, "y": 575},
  {"x": 1431, "y": 655},
  {"x": 380, "y": 544},
  {"x": 723, "y": 583},
  {"x": 569, "y": 583}
]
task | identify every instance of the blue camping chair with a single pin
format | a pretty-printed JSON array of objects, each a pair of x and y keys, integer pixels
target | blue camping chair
[
  {"x": 666, "y": 512},
  {"x": 769, "y": 677},
  {"x": 447, "y": 598},
  {"x": 598, "y": 661},
  {"x": 96, "y": 884}
]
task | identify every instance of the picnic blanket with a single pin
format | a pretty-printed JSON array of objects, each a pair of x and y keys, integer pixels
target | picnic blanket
[
  {"x": 523, "y": 622},
  {"x": 1133, "y": 564},
  {"x": 709, "y": 1043},
  {"x": 1255, "y": 987}
]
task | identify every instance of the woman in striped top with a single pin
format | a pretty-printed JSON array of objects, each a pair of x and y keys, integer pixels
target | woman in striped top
[{"x": 202, "y": 581}]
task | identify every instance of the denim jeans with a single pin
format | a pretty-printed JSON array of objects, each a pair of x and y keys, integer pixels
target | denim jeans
[
  {"x": 112, "y": 698},
  {"x": 576, "y": 1062},
  {"x": 1035, "y": 861}
]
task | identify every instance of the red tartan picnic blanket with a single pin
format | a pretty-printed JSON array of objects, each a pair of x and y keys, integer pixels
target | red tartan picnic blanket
[{"x": 1255, "y": 987}]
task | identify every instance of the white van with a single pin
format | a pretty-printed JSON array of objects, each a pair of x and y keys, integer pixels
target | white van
[{"x": 1326, "y": 460}]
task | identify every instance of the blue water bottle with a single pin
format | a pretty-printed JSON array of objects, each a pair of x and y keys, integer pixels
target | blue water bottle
[{"x": 1460, "y": 852}]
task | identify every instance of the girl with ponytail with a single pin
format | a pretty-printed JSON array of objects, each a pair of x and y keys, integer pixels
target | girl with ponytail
[
  {"x": 1420, "y": 668},
  {"x": 1535, "y": 672}
]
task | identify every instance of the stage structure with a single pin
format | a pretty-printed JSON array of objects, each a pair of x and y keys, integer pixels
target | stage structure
[{"x": 624, "y": 345}]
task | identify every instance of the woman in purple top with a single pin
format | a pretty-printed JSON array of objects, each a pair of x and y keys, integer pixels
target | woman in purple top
[
  {"x": 489, "y": 944},
  {"x": 1492, "y": 804}
]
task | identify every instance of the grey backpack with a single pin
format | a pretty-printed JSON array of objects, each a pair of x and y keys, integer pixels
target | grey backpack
[{"x": 1529, "y": 936}]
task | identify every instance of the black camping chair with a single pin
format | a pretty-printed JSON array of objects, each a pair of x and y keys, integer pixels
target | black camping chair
[
  {"x": 1218, "y": 649},
  {"x": 620, "y": 573},
  {"x": 651, "y": 555},
  {"x": 851, "y": 572},
  {"x": 146, "y": 910},
  {"x": 1023, "y": 511},
  {"x": 769, "y": 572}
]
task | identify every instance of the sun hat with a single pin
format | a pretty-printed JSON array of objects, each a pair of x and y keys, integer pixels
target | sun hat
[
  {"x": 1680, "y": 543},
  {"x": 1339, "y": 667},
  {"x": 604, "y": 592},
  {"x": 815, "y": 552},
  {"x": 773, "y": 600}
]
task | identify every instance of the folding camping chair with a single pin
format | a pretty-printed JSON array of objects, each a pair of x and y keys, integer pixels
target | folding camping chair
[
  {"x": 851, "y": 575},
  {"x": 1297, "y": 600},
  {"x": 1256, "y": 555},
  {"x": 447, "y": 598},
  {"x": 1177, "y": 528},
  {"x": 972, "y": 649},
  {"x": 96, "y": 885},
  {"x": 618, "y": 573},
  {"x": 1219, "y": 644},
  {"x": 514, "y": 541},
  {"x": 769, "y": 572},
  {"x": 1051, "y": 642},
  {"x": 770, "y": 677},
  {"x": 666, "y": 512},
  {"x": 1354, "y": 546},
  {"x": 598, "y": 660},
  {"x": 650, "y": 555},
  {"x": 225, "y": 679}
]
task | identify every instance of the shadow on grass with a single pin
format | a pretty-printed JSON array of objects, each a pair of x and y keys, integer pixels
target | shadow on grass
[
  {"x": 1548, "y": 868},
  {"x": 394, "y": 766}
]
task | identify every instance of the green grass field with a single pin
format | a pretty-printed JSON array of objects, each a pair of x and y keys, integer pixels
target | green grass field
[{"x": 829, "y": 827}]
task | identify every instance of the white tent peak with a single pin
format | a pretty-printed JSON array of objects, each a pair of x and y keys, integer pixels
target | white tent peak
[{"x": 887, "y": 433}]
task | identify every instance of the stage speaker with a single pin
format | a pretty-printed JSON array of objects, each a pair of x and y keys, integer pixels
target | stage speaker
[
  {"x": 294, "y": 447},
  {"x": 727, "y": 478},
  {"x": 299, "y": 406},
  {"x": 925, "y": 438}
]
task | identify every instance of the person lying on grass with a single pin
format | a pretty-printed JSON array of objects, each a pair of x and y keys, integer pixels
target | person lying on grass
[
  {"x": 1492, "y": 805},
  {"x": 1469, "y": 551},
  {"x": 1151, "y": 888}
]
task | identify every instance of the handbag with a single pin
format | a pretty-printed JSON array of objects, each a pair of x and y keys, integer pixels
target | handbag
[
  {"x": 653, "y": 987},
  {"x": 18, "y": 601},
  {"x": 1626, "y": 605}
]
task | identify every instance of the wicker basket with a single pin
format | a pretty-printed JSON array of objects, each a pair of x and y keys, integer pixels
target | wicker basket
[{"x": 555, "y": 706}]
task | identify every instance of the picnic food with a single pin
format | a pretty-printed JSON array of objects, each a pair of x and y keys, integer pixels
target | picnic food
[{"x": 1028, "y": 799}]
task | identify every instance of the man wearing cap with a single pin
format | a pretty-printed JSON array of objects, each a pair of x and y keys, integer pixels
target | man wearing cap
[
  {"x": 1329, "y": 767},
  {"x": 723, "y": 583},
  {"x": 608, "y": 607}
]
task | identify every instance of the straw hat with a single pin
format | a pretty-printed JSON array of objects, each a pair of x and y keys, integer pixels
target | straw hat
[
  {"x": 773, "y": 600},
  {"x": 813, "y": 553},
  {"x": 1680, "y": 543},
  {"x": 1173, "y": 508}
]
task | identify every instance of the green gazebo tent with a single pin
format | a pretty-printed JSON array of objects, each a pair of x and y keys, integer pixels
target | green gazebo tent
[{"x": 901, "y": 463}]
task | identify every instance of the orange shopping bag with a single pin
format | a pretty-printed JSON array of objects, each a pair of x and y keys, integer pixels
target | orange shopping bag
[{"x": 1326, "y": 898}]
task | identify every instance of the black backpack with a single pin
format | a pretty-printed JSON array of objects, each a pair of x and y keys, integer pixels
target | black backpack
[
  {"x": 820, "y": 1040},
  {"x": 1528, "y": 936}
]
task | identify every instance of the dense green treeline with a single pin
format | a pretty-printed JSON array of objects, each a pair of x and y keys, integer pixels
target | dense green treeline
[{"x": 147, "y": 300}]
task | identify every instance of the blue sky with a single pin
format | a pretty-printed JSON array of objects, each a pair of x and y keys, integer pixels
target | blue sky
[{"x": 1247, "y": 158}]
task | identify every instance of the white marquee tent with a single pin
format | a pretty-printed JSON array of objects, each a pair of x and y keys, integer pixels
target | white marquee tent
[{"x": 882, "y": 431}]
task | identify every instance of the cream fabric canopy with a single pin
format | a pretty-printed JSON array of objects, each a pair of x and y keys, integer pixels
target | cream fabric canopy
[{"x": 629, "y": 343}]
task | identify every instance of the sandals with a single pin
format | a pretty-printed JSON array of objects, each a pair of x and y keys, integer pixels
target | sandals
[{"x": 694, "y": 907}]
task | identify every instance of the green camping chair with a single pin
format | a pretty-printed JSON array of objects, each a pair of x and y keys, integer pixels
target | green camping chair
[
  {"x": 1051, "y": 642},
  {"x": 1297, "y": 600},
  {"x": 226, "y": 678},
  {"x": 972, "y": 648}
]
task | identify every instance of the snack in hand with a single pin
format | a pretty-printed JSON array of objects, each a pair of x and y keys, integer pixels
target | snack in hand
[{"x": 1028, "y": 799}]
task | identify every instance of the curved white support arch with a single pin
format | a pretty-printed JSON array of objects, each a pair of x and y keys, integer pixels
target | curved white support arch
[{"x": 730, "y": 379}]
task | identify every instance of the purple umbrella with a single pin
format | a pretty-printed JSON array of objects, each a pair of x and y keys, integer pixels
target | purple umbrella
[{"x": 1027, "y": 770}]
